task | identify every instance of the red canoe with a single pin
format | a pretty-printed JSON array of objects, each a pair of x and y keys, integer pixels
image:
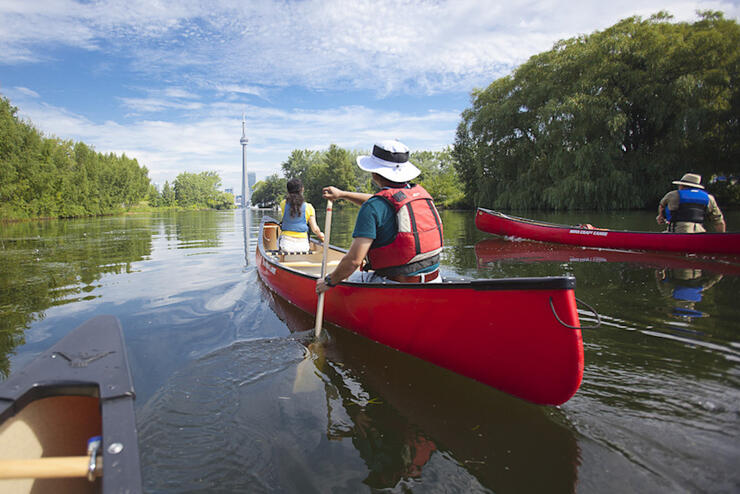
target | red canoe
[
  {"x": 493, "y": 250},
  {"x": 511, "y": 333},
  {"x": 709, "y": 243}
]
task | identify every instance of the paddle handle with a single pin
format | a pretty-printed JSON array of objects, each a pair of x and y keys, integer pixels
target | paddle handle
[
  {"x": 320, "y": 303},
  {"x": 47, "y": 468}
]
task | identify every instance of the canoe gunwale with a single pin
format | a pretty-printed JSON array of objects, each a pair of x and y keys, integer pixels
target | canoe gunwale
[{"x": 520, "y": 283}]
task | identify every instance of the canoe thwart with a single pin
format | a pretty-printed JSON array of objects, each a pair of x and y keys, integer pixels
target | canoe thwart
[
  {"x": 307, "y": 264},
  {"x": 56, "y": 467}
]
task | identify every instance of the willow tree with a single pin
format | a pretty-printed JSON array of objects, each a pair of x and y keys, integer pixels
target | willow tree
[{"x": 607, "y": 120}]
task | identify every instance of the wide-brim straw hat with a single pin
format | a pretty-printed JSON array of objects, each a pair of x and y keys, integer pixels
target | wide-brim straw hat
[
  {"x": 690, "y": 180},
  {"x": 390, "y": 159}
]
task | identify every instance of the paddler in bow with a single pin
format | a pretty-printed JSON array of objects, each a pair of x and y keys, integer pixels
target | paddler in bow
[
  {"x": 686, "y": 209},
  {"x": 398, "y": 232}
]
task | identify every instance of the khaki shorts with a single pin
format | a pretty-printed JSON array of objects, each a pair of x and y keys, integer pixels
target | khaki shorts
[{"x": 686, "y": 227}]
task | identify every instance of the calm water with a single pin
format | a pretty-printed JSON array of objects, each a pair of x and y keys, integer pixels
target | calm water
[{"x": 227, "y": 402}]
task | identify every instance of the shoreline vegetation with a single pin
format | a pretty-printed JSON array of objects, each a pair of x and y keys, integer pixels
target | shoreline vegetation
[{"x": 604, "y": 121}]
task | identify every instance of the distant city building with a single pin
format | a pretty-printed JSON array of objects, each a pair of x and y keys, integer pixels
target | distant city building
[
  {"x": 251, "y": 179},
  {"x": 229, "y": 191}
]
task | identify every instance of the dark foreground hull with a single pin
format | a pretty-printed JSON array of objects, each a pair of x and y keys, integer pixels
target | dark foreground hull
[{"x": 78, "y": 389}]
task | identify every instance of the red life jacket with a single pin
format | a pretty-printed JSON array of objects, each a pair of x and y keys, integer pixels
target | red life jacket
[{"x": 418, "y": 241}]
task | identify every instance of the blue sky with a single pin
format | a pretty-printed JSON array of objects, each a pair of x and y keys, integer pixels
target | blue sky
[{"x": 167, "y": 82}]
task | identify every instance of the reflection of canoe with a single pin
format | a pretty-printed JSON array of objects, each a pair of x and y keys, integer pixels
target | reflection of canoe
[
  {"x": 507, "y": 444},
  {"x": 78, "y": 389},
  {"x": 502, "y": 224},
  {"x": 493, "y": 250},
  {"x": 516, "y": 345}
]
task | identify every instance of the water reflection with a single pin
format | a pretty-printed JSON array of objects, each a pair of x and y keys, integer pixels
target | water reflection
[
  {"x": 199, "y": 229},
  {"x": 56, "y": 262},
  {"x": 685, "y": 288},
  {"x": 246, "y": 229},
  {"x": 496, "y": 251},
  {"x": 408, "y": 419}
]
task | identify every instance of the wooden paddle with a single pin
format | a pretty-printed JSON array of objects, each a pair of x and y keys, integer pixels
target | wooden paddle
[
  {"x": 320, "y": 304},
  {"x": 47, "y": 468}
]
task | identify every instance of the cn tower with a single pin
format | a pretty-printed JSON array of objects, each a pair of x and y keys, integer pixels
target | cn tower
[{"x": 245, "y": 190}]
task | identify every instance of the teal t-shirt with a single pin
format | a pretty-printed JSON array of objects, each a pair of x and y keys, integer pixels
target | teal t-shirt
[{"x": 377, "y": 220}]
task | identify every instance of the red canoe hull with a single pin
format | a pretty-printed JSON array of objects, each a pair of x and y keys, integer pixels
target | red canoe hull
[
  {"x": 500, "y": 332},
  {"x": 709, "y": 243}
]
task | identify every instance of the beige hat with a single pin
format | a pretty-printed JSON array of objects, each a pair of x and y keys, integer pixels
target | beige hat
[{"x": 690, "y": 180}]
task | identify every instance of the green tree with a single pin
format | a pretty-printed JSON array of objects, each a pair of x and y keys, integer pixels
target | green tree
[
  {"x": 298, "y": 163},
  {"x": 168, "y": 195},
  {"x": 336, "y": 167},
  {"x": 439, "y": 177},
  {"x": 606, "y": 121},
  {"x": 269, "y": 191}
]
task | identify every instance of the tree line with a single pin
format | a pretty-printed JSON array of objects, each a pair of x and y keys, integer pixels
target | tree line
[
  {"x": 336, "y": 166},
  {"x": 192, "y": 191},
  {"x": 606, "y": 121},
  {"x": 47, "y": 177}
]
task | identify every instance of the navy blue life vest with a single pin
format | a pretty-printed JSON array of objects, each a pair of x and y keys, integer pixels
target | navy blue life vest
[{"x": 692, "y": 206}]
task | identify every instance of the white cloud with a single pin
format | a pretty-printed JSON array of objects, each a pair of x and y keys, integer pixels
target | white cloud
[
  {"x": 27, "y": 92},
  {"x": 383, "y": 45}
]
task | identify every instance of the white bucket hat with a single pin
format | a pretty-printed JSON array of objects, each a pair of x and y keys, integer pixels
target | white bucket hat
[
  {"x": 389, "y": 159},
  {"x": 690, "y": 180}
]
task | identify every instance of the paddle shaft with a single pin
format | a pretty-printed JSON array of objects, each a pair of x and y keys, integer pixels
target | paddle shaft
[
  {"x": 320, "y": 303},
  {"x": 47, "y": 468}
]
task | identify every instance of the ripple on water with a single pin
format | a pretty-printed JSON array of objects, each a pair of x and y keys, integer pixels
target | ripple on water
[{"x": 193, "y": 432}]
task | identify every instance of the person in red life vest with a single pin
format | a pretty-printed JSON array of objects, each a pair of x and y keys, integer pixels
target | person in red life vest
[
  {"x": 686, "y": 209},
  {"x": 398, "y": 232}
]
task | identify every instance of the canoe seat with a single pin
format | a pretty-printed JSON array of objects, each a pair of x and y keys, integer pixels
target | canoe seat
[{"x": 307, "y": 264}]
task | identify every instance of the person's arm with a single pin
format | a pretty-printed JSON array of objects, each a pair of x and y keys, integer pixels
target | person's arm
[
  {"x": 661, "y": 215},
  {"x": 661, "y": 218},
  {"x": 661, "y": 212},
  {"x": 315, "y": 227},
  {"x": 715, "y": 217},
  {"x": 335, "y": 194},
  {"x": 348, "y": 264}
]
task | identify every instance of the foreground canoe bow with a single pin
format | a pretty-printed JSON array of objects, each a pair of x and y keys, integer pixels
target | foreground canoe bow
[
  {"x": 698, "y": 243},
  {"x": 78, "y": 389},
  {"x": 518, "y": 335}
]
